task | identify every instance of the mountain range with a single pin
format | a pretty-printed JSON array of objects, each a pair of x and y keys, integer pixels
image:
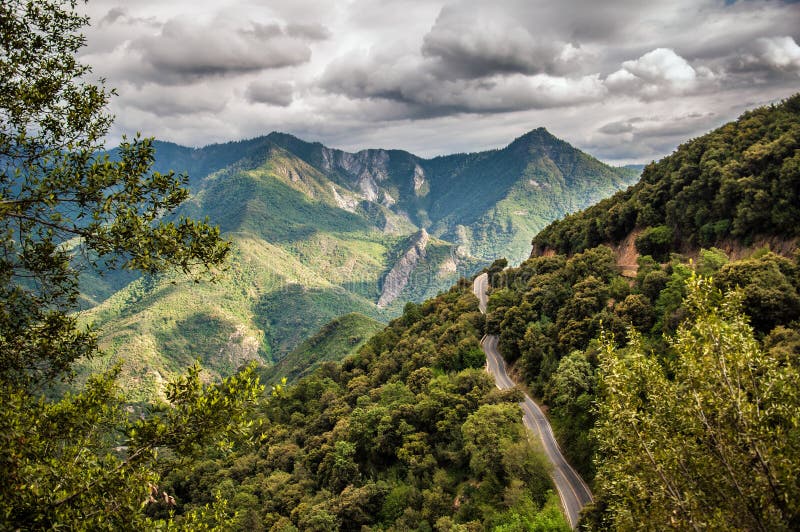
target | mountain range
[{"x": 318, "y": 233}]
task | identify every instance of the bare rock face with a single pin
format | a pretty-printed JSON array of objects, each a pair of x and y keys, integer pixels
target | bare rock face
[
  {"x": 400, "y": 275},
  {"x": 419, "y": 181},
  {"x": 346, "y": 202},
  {"x": 367, "y": 168}
]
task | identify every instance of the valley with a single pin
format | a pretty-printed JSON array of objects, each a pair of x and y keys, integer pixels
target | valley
[
  {"x": 318, "y": 233},
  {"x": 277, "y": 335}
]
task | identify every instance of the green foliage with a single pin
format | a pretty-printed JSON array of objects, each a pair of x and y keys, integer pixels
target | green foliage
[
  {"x": 296, "y": 313},
  {"x": 307, "y": 247},
  {"x": 709, "y": 441},
  {"x": 53, "y": 187},
  {"x": 656, "y": 242},
  {"x": 548, "y": 311},
  {"x": 80, "y": 462},
  {"x": 525, "y": 517},
  {"x": 770, "y": 287},
  {"x": 336, "y": 340},
  {"x": 409, "y": 433},
  {"x": 739, "y": 181},
  {"x": 709, "y": 261}
]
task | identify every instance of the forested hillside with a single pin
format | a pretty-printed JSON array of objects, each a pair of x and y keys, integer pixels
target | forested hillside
[
  {"x": 676, "y": 389},
  {"x": 741, "y": 181},
  {"x": 339, "y": 338},
  {"x": 673, "y": 386},
  {"x": 696, "y": 349},
  {"x": 409, "y": 434}
]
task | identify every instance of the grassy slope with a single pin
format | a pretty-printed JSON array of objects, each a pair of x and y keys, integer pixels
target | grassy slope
[{"x": 337, "y": 339}]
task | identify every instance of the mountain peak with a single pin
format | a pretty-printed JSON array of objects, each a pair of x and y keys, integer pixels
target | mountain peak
[{"x": 540, "y": 135}]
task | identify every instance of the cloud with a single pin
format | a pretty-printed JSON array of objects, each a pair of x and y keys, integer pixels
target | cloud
[
  {"x": 773, "y": 54},
  {"x": 657, "y": 73},
  {"x": 620, "y": 126},
  {"x": 176, "y": 101},
  {"x": 185, "y": 50},
  {"x": 417, "y": 85},
  {"x": 271, "y": 93},
  {"x": 619, "y": 78},
  {"x": 114, "y": 14},
  {"x": 119, "y": 15},
  {"x": 311, "y": 32},
  {"x": 470, "y": 45},
  {"x": 643, "y": 137},
  {"x": 660, "y": 126}
]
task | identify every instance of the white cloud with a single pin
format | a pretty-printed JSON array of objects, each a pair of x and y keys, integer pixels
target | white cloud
[
  {"x": 658, "y": 73},
  {"x": 780, "y": 53}
]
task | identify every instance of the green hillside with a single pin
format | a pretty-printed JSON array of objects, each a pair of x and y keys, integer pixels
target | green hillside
[
  {"x": 410, "y": 433},
  {"x": 536, "y": 179},
  {"x": 659, "y": 386},
  {"x": 336, "y": 340},
  {"x": 483, "y": 201},
  {"x": 740, "y": 181}
]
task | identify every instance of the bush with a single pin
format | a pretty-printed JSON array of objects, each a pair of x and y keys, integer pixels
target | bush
[{"x": 655, "y": 241}]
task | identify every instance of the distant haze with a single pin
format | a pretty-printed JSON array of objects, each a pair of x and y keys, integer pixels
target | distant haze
[{"x": 624, "y": 80}]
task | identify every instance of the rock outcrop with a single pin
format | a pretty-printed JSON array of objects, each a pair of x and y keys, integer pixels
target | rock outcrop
[{"x": 400, "y": 274}]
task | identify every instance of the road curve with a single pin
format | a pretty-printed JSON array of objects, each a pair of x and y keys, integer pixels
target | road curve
[{"x": 572, "y": 490}]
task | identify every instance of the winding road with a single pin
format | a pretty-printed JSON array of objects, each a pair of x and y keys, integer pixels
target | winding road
[{"x": 572, "y": 490}]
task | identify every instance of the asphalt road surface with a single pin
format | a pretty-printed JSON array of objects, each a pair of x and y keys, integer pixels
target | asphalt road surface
[{"x": 572, "y": 490}]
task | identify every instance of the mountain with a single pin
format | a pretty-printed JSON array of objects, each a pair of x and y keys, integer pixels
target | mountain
[
  {"x": 318, "y": 233},
  {"x": 484, "y": 201},
  {"x": 675, "y": 396}
]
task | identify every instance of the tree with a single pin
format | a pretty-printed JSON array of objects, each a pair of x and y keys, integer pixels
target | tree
[
  {"x": 58, "y": 196},
  {"x": 710, "y": 442},
  {"x": 79, "y": 462},
  {"x": 656, "y": 242},
  {"x": 770, "y": 297}
]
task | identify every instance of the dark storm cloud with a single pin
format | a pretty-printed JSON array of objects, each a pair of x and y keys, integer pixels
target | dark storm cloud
[
  {"x": 311, "y": 32},
  {"x": 272, "y": 93},
  {"x": 186, "y": 51},
  {"x": 468, "y": 45},
  {"x": 623, "y": 79}
]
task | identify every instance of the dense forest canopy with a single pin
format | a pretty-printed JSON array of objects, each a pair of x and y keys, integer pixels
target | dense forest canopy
[
  {"x": 409, "y": 434},
  {"x": 740, "y": 181},
  {"x": 675, "y": 390}
]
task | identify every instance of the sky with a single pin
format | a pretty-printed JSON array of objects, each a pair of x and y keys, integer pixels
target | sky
[{"x": 624, "y": 80}]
